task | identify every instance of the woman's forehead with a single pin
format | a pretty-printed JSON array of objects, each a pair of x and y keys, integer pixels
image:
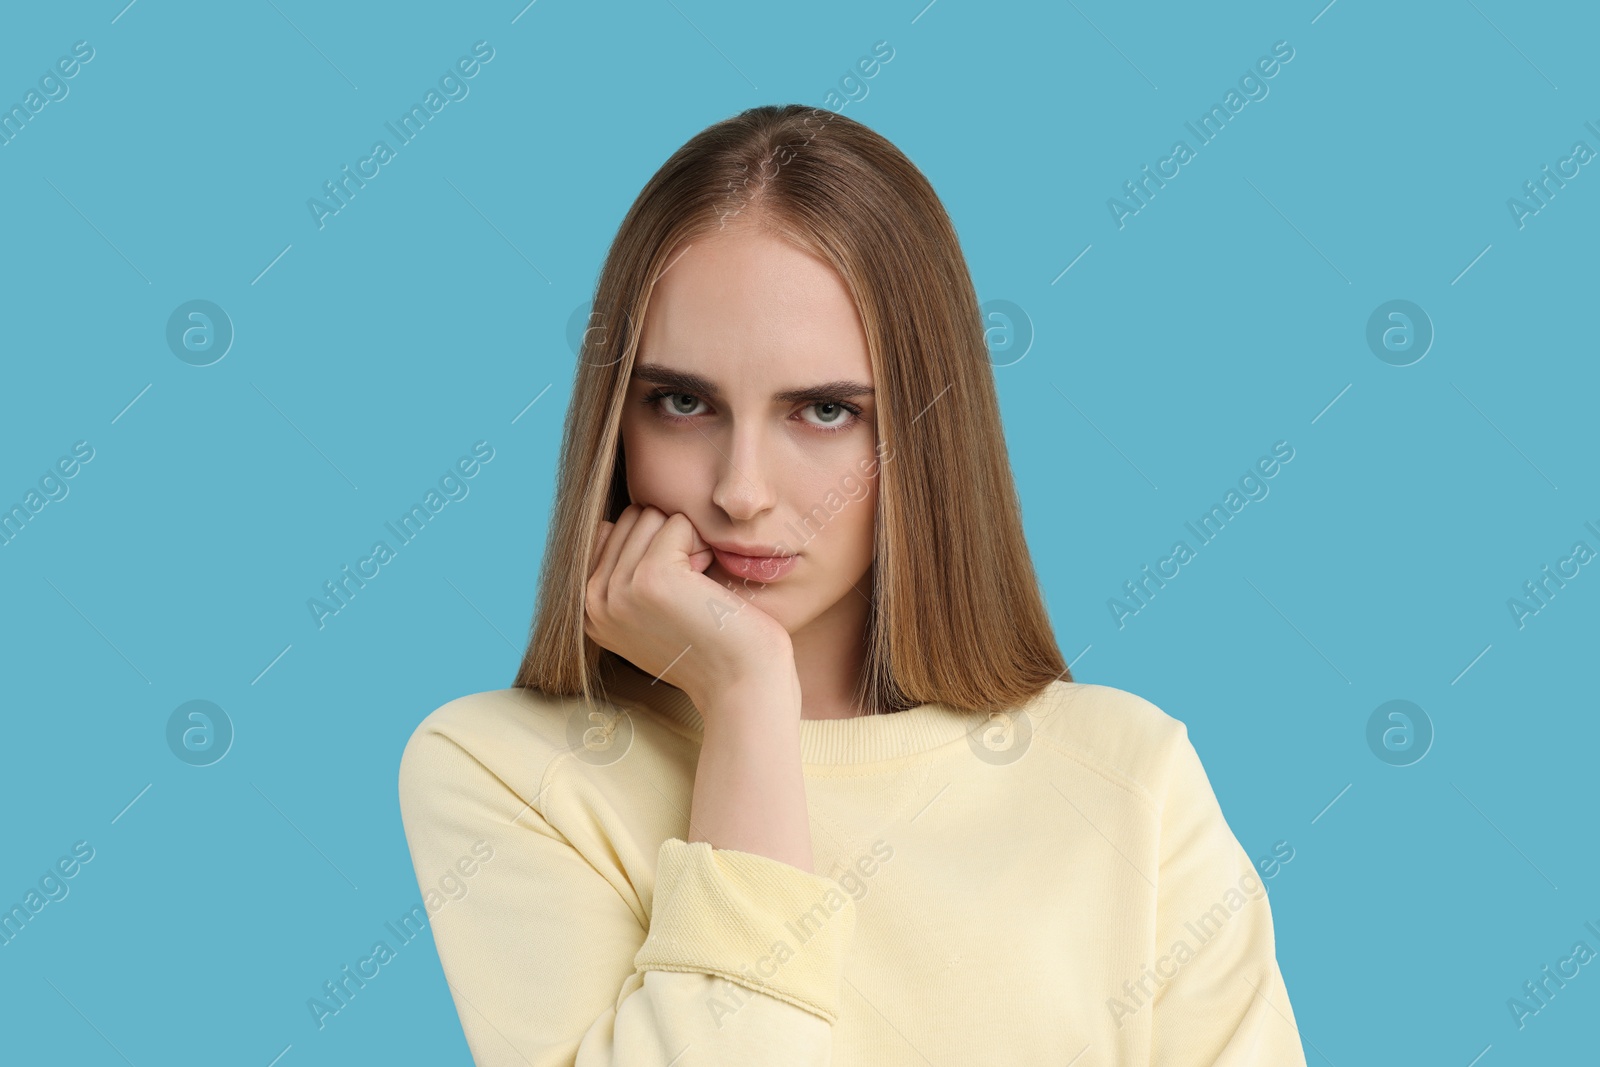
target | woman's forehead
[{"x": 736, "y": 306}]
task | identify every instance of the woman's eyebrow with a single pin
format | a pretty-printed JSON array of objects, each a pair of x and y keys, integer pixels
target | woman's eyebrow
[{"x": 686, "y": 382}]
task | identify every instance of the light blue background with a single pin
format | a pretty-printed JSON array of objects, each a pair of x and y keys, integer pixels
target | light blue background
[{"x": 1228, "y": 314}]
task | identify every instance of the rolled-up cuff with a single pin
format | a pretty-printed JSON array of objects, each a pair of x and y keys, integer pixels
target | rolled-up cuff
[{"x": 755, "y": 921}]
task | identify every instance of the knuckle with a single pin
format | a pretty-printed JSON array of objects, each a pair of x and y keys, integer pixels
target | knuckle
[
  {"x": 617, "y": 587},
  {"x": 647, "y": 585}
]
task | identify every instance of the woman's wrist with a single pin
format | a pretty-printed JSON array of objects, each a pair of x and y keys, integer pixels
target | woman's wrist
[
  {"x": 749, "y": 790},
  {"x": 769, "y": 686}
]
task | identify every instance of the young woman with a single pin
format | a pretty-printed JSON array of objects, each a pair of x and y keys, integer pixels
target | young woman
[{"x": 793, "y": 771}]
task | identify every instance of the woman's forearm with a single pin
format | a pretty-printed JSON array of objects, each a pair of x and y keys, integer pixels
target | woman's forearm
[{"x": 749, "y": 793}]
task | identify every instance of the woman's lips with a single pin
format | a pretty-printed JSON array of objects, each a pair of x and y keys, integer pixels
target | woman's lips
[{"x": 755, "y": 568}]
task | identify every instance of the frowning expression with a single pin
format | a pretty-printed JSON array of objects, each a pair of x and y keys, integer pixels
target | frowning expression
[{"x": 750, "y": 410}]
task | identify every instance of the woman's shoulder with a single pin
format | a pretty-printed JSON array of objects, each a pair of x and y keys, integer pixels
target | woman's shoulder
[
  {"x": 505, "y": 731},
  {"x": 1118, "y": 733},
  {"x": 490, "y": 713}
]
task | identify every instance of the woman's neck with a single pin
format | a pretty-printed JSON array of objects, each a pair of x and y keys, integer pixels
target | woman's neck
[{"x": 829, "y": 654}]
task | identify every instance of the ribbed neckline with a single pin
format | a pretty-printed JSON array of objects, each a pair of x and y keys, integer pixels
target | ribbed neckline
[{"x": 863, "y": 739}]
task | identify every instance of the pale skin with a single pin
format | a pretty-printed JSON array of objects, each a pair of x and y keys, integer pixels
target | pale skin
[{"x": 752, "y": 316}]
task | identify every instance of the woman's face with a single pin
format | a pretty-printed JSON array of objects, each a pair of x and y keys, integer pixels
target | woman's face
[{"x": 750, "y": 411}]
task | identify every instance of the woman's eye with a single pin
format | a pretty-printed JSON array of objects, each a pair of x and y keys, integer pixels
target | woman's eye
[
  {"x": 679, "y": 407},
  {"x": 680, "y": 404},
  {"x": 831, "y": 415},
  {"x": 831, "y": 412}
]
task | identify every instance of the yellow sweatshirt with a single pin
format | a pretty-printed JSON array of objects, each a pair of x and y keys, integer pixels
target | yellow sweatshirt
[{"x": 1053, "y": 886}]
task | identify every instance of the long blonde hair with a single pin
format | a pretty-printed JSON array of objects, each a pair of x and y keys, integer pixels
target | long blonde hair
[{"x": 957, "y": 615}]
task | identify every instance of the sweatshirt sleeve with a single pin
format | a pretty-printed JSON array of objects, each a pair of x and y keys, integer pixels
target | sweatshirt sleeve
[
  {"x": 1219, "y": 998},
  {"x": 551, "y": 960}
]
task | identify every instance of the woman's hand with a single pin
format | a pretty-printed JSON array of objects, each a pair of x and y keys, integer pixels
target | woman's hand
[{"x": 648, "y": 601}]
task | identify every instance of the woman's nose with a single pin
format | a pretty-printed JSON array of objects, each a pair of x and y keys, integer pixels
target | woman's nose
[{"x": 745, "y": 468}]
